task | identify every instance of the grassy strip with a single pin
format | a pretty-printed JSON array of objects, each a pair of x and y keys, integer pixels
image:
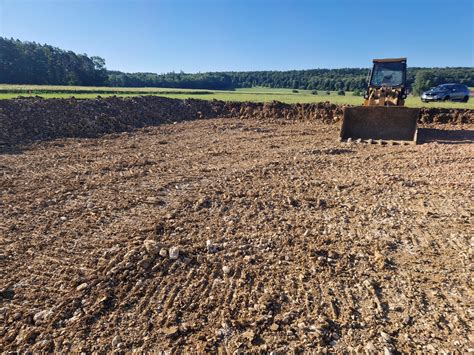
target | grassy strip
[
  {"x": 102, "y": 92},
  {"x": 87, "y": 89},
  {"x": 250, "y": 94}
]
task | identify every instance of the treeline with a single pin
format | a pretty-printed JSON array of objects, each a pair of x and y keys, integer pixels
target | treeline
[
  {"x": 33, "y": 63},
  {"x": 343, "y": 79},
  {"x": 210, "y": 81},
  {"x": 314, "y": 79},
  {"x": 322, "y": 79}
]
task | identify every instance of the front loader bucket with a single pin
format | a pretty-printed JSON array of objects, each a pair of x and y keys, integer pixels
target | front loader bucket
[{"x": 380, "y": 124}]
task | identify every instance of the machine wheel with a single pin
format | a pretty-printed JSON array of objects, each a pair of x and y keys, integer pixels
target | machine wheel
[{"x": 465, "y": 99}]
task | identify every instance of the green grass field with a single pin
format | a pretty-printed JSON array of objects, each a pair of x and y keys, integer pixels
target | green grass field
[{"x": 250, "y": 94}]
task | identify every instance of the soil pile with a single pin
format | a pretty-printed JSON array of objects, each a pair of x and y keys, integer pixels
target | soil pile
[{"x": 32, "y": 119}]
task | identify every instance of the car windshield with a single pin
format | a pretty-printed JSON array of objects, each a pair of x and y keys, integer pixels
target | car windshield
[
  {"x": 444, "y": 87},
  {"x": 388, "y": 74}
]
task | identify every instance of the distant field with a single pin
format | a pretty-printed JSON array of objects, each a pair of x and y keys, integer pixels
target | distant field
[
  {"x": 248, "y": 94},
  {"x": 86, "y": 89},
  {"x": 7, "y": 90}
]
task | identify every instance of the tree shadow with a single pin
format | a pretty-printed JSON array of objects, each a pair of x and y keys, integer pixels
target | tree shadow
[{"x": 445, "y": 136}]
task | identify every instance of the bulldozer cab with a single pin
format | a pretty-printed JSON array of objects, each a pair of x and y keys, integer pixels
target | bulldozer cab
[
  {"x": 382, "y": 117},
  {"x": 391, "y": 74},
  {"x": 387, "y": 84}
]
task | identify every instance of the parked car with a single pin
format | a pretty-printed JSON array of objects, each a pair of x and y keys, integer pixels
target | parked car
[{"x": 447, "y": 92}]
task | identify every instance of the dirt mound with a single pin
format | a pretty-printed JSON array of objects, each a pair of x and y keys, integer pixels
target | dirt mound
[
  {"x": 32, "y": 119},
  {"x": 444, "y": 115}
]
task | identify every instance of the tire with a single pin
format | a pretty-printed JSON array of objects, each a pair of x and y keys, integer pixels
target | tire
[
  {"x": 446, "y": 98},
  {"x": 465, "y": 99}
]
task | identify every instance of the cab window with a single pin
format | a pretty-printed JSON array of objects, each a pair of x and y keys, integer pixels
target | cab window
[{"x": 388, "y": 74}]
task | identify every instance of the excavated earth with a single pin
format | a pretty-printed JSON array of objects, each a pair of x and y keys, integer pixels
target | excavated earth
[
  {"x": 25, "y": 120},
  {"x": 238, "y": 234}
]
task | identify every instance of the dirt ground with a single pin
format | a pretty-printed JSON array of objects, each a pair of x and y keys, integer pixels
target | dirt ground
[{"x": 228, "y": 234}]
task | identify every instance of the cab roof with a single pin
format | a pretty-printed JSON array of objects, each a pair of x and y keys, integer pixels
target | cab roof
[{"x": 390, "y": 60}]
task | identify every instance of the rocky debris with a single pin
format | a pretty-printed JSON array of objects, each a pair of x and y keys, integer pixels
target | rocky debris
[
  {"x": 116, "y": 341},
  {"x": 42, "y": 316},
  {"x": 152, "y": 247},
  {"x": 226, "y": 270},
  {"x": 82, "y": 286},
  {"x": 272, "y": 257},
  {"x": 203, "y": 202},
  {"x": 386, "y": 337},
  {"x": 145, "y": 263},
  {"x": 171, "y": 331},
  {"x": 211, "y": 247},
  {"x": 174, "y": 253},
  {"x": 27, "y": 120}
]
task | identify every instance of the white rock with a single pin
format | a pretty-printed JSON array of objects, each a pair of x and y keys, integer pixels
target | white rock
[
  {"x": 116, "y": 341},
  {"x": 386, "y": 337},
  {"x": 151, "y": 247},
  {"x": 151, "y": 199},
  {"x": 367, "y": 284},
  {"x": 81, "y": 286},
  {"x": 211, "y": 248},
  {"x": 226, "y": 270},
  {"x": 42, "y": 316},
  {"x": 174, "y": 253},
  {"x": 163, "y": 252}
]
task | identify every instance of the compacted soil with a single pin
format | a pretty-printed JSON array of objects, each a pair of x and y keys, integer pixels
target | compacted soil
[{"x": 228, "y": 234}]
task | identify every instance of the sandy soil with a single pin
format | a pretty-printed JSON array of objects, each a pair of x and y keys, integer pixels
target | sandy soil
[{"x": 237, "y": 234}]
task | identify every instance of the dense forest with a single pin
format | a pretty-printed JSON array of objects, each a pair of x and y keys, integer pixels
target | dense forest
[
  {"x": 313, "y": 79},
  {"x": 33, "y": 63},
  {"x": 213, "y": 81}
]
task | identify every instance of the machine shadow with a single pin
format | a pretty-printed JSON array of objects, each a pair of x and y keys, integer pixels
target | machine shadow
[
  {"x": 444, "y": 136},
  {"x": 10, "y": 150}
]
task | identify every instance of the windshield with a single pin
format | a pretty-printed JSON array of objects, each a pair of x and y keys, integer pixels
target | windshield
[
  {"x": 443, "y": 87},
  {"x": 388, "y": 74}
]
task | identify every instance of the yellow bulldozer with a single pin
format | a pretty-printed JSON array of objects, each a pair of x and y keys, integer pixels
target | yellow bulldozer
[{"x": 382, "y": 118}]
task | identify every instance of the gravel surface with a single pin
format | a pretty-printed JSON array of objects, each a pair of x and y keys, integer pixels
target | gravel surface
[{"x": 228, "y": 234}]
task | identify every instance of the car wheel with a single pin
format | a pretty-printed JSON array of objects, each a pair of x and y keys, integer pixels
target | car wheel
[
  {"x": 465, "y": 99},
  {"x": 446, "y": 98}
]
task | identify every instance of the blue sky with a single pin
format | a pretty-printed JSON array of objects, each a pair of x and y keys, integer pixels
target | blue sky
[{"x": 218, "y": 35}]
